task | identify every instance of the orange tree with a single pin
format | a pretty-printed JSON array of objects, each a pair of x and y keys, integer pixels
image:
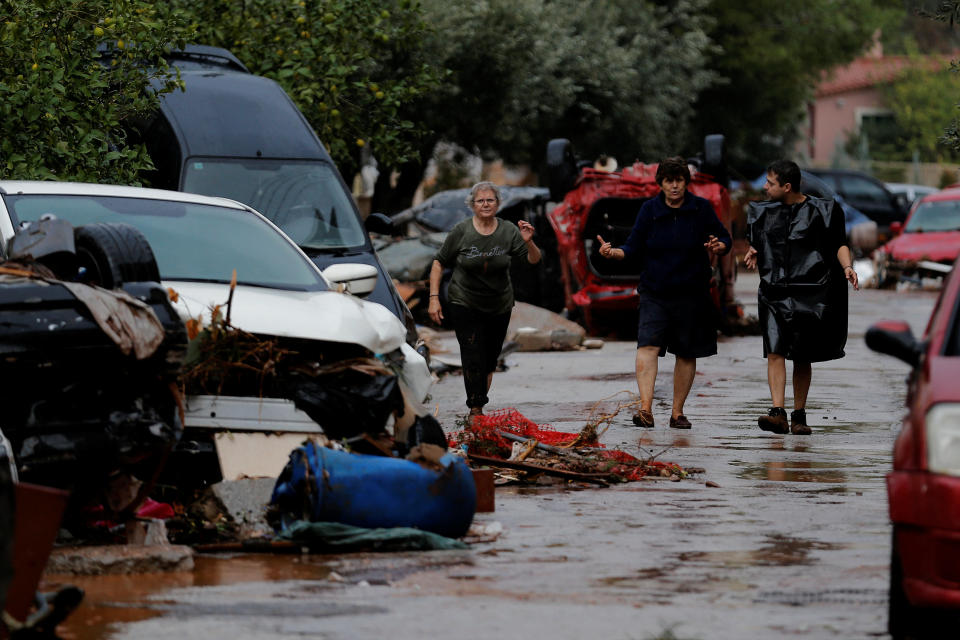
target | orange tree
[
  {"x": 62, "y": 112},
  {"x": 349, "y": 65}
]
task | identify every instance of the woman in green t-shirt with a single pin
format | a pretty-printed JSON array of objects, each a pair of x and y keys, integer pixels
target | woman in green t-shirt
[{"x": 480, "y": 297}]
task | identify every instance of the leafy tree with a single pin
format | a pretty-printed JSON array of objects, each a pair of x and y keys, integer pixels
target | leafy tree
[
  {"x": 349, "y": 65},
  {"x": 62, "y": 112},
  {"x": 949, "y": 12},
  {"x": 617, "y": 77},
  {"x": 525, "y": 71},
  {"x": 921, "y": 115},
  {"x": 772, "y": 53}
]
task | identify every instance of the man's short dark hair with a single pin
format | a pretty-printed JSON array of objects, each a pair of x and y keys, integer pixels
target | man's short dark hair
[
  {"x": 787, "y": 172},
  {"x": 672, "y": 167}
]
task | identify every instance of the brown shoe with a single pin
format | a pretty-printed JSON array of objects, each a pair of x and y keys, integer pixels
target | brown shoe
[
  {"x": 798, "y": 423},
  {"x": 680, "y": 422},
  {"x": 775, "y": 421},
  {"x": 643, "y": 418}
]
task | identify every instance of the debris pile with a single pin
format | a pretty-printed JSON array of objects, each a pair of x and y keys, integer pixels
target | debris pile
[{"x": 506, "y": 439}]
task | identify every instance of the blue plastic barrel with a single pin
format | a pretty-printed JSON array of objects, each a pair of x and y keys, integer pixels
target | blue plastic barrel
[{"x": 378, "y": 492}]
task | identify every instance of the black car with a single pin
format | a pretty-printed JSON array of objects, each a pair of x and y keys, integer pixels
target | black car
[
  {"x": 238, "y": 135},
  {"x": 867, "y": 194}
]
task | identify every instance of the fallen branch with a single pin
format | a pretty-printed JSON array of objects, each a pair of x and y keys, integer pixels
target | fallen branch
[
  {"x": 601, "y": 479},
  {"x": 546, "y": 447}
]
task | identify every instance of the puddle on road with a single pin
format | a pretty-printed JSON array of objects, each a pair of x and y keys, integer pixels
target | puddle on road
[
  {"x": 113, "y": 599},
  {"x": 795, "y": 471},
  {"x": 779, "y": 551},
  {"x": 609, "y": 377}
]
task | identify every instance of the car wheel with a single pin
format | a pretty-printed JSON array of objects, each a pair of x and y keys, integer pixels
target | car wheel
[
  {"x": 898, "y": 610},
  {"x": 111, "y": 253},
  {"x": 562, "y": 169}
]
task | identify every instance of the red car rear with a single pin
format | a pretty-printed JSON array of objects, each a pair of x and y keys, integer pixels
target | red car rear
[
  {"x": 606, "y": 203},
  {"x": 924, "y": 486}
]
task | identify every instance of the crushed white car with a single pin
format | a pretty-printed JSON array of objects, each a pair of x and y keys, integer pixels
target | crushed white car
[{"x": 200, "y": 244}]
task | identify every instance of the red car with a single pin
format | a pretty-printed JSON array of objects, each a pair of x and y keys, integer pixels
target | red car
[
  {"x": 924, "y": 487},
  {"x": 926, "y": 245},
  {"x": 598, "y": 202}
]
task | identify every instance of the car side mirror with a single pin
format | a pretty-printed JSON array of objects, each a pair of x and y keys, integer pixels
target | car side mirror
[
  {"x": 896, "y": 228},
  {"x": 353, "y": 278},
  {"x": 894, "y": 338},
  {"x": 379, "y": 223}
]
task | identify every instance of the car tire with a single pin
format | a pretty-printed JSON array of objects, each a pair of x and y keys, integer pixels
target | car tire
[
  {"x": 562, "y": 171},
  {"x": 898, "y": 608},
  {"x": 112, "y": 253}
]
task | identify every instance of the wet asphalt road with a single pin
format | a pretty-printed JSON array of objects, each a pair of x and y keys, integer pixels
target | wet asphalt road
[{"x": 793, "y": 543}]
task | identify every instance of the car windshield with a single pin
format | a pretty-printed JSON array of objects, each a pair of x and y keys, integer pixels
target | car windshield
[
  {"x": 943, "y": 215},
  {"x": 192, "y": 242},
  {"x": 306, "y": 199}
]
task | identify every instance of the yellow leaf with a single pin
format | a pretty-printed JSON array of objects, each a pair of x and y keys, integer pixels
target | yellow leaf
[{"x": 193, "y": 328}]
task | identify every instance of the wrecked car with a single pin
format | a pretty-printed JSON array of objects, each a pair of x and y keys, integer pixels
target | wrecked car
[
  {"x": 596, "y": 202},
  {"x": 923, "y": 488},
  {"x": 337, "y": 363},
  {"x": 926, "y": 246},
  {"x": 88, "y": 373}
]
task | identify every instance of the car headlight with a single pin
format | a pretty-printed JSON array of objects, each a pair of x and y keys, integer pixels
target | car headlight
[{"x": 943, "y": 439}]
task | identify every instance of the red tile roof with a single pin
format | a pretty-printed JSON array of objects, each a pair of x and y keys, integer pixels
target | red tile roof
[{"x": 871, "y": 71}]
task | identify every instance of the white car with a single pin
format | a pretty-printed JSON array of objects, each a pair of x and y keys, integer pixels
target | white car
[
  {"x": 910, "y": 193},
  {"x": 198, "y": 242}
]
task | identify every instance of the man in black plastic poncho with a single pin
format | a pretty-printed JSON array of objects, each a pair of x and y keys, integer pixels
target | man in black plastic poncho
[{"x": 797, "y": 242}]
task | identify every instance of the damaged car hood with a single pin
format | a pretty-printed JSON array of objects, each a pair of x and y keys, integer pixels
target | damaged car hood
[
  {"x": 939, "y": 246},
  {"x": 312, "y": 315}
]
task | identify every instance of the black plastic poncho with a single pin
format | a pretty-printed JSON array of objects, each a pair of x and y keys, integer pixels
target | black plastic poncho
[{"x": 803, "y": 292}]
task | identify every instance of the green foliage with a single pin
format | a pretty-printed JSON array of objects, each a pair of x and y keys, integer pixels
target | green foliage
[
  {"x": 921, "y": 115},
  {"x": 62, "y": 112},
  {"x": 949, "y": 12},
  {"x": 349, "y": 65},
  {"x": 772, "y": 55},
  {"x": 617, "y": 77}
]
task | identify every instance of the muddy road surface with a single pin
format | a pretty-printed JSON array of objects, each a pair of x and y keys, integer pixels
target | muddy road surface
[{"x": 778, "y": 537}]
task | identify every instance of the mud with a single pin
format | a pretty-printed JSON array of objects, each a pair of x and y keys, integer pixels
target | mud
[{"x": 791, "y": 540}]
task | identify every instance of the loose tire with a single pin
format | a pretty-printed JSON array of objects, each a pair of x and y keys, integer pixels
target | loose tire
[{"x": 111, "y": 253}]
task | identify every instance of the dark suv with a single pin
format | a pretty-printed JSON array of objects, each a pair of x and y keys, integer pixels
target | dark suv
[{"x": 868, "y": 195}]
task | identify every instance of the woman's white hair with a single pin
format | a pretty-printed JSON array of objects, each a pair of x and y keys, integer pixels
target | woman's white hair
[{"x": 483, "y": 186}]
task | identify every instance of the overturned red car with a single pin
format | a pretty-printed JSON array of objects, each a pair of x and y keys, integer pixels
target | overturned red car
[
  {"x": 924, "y": 487},
  {"x": 599, "y": 202}
]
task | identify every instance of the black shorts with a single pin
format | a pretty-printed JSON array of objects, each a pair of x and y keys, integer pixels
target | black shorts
[{"x": 685, "y": 325}]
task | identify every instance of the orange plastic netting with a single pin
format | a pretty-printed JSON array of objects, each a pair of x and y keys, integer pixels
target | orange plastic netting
[{"x": 483, "y": 435}]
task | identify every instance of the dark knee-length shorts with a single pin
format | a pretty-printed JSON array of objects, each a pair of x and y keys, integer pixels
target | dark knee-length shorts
[{"x": 683, "y": 324}]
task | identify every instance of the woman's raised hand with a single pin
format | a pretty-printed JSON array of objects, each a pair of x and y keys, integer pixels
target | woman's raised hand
[{"x": 526, "y": 230}]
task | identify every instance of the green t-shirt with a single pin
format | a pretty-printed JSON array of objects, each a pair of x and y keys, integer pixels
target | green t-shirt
[{"x": 481, "y": 265}]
